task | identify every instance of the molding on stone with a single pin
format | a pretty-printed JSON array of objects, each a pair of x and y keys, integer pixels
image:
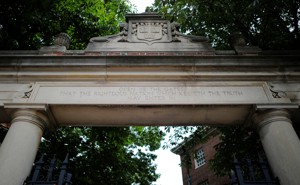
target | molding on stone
[
  {"x": 149, "y": 32},
  {"x": 288, "y": 106},
  {"x": 53, "y": 50},
  {"x": 30, "y": 116},
  {"x": 40, "y": 113},
  {"x": 260, "y": 109},
  {"x": 27, "y": 69},
  {"x": 265, "y": 117}
]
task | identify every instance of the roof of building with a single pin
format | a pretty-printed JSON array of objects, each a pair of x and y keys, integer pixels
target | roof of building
[{"x": 206, "y": 132}]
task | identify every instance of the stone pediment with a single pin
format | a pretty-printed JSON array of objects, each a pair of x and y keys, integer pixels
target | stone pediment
[{"x": 149, "y": 32}]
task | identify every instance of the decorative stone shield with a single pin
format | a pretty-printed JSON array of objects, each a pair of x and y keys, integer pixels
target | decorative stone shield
[{"x": 149, "y": 31}]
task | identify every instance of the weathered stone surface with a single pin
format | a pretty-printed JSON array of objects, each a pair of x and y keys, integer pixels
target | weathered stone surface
[
  {"x": 62, "y": 39},
  {"x": 128, "y": 93},
  {"x": 147, "y": 103},
  {"x": 149, "y": 71},
  {"x": 148, "y": 74},
  {"x": 53, "y": 50},
  {"x": 14, "y": 92},
  {"x": 148, "y": 32}
]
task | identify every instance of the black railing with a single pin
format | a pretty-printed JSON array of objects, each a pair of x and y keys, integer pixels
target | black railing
[
  {"x": 43, "y": 174},
  {"x": 249, "y": 171}
]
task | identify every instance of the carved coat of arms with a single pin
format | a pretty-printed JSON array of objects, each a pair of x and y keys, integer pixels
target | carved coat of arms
[{"x": 149, "y": 31}]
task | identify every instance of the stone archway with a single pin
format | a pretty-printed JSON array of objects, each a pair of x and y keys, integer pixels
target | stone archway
[{"x": 148, "y": 74}]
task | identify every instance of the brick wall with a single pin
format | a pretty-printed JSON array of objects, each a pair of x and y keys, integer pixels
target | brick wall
[{"x": 203, "y": 173}]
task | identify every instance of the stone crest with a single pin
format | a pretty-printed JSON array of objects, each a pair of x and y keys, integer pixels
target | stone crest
[{"x": 149, "y": 31}]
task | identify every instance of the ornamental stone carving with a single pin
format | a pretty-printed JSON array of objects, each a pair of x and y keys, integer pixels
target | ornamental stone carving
[
  {"x": 149, "y": 32},
  {"x": 62, "y": 39}
]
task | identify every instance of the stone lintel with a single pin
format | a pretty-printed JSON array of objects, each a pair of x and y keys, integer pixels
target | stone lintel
[
  {"x": 151, "y": 93},
  {"x": 147, "y": 103},
  {"x": 137, "y": 115},
  {"x": 146, "y": 115}
]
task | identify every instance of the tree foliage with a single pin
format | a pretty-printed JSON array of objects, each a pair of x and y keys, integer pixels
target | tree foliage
[
  {"x": 99, "y": 155},
  {"x": 106, "y": 155},
  {"x": 268, "y": 24},
  {"x": 114, "y": 155},
  {"x": 30, "y": 24},
  {"x": 238, "y": 142}
]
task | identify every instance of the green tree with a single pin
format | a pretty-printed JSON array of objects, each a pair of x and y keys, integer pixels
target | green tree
[
  {"x": 236, "y": 141},
  {"x": 268, "y": 24},
  {"x": 106, "y": 155},
  {"x": 32, "y": 24},
  {"x": 97, "y": 155}
]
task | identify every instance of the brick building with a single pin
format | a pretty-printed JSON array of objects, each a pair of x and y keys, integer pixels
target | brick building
[{"x": 196, "y": 170}]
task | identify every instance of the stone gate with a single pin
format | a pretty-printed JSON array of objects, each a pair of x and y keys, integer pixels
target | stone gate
[{"x": 148, "y": 74}]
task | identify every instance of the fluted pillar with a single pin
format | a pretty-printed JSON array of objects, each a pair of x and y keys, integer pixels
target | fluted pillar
[
  {"x": 19, "y": 148},
  {"x": 281, "y": 144}
]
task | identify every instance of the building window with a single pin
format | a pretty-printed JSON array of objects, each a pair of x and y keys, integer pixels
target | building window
[{"x": 199, "y": 158}]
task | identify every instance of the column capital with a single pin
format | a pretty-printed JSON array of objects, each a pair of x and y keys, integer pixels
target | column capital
[
  {"x": 21, "y": 142},
  {"x": 39, "y": 115},
  {"x": 35, "y": 117},
  {"x": 264, "y": 117}
]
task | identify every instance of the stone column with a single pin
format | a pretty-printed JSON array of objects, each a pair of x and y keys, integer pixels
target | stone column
[
  {"x": 281, "y": 144},
  {"x": 19, "y": 148}
]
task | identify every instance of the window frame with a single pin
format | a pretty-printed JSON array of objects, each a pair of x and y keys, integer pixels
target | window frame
[{"x": 199, "y": 158}]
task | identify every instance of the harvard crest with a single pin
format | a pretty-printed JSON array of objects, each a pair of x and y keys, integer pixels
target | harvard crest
[{"x": 149, "y": 31}]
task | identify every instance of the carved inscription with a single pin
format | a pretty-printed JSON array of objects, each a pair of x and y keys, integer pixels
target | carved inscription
[{"x": 152, "y": 95}]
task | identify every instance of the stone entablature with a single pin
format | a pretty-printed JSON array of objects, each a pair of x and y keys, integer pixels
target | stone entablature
[{"x": 193, "y": 87}]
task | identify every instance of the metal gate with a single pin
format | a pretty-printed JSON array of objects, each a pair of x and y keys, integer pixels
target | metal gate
[
  {"x": 49, "y": 174},
  {"x": 252, "y": 171}
]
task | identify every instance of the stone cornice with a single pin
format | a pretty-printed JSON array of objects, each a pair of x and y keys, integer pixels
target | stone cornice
[{"x": 25, "y": 68}]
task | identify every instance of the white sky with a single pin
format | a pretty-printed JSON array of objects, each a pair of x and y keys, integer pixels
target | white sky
[
  {"x": 168, "y": 168},
  {"x": 167, "y": 162},
  {"x": 142, "y": 4}
]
